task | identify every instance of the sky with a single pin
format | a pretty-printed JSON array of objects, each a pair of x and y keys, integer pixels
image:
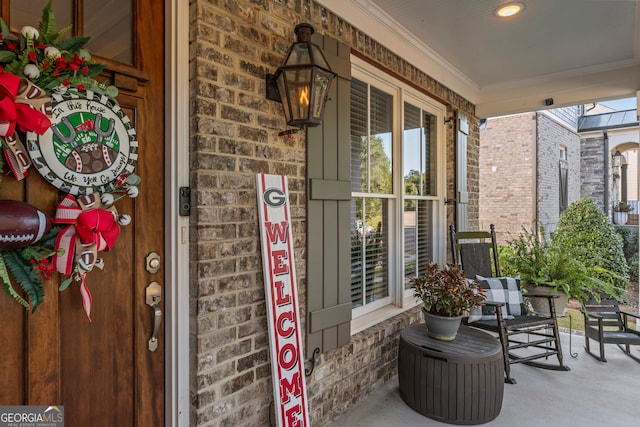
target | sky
[{"x": 620, "y": 104}]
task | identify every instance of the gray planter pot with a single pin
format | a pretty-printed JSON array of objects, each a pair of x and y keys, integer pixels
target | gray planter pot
[
  {"x": 441, "y": 327},
  {"x": 541, "y": 305}
]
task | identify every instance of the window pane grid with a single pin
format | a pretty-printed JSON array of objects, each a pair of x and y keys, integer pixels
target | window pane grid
[
  {"x": 371, "y": 139},
  {"x": 371, "y": 186},
  {"x": 369, "y": 251},
  {"x": 418, "y": 237},
  {"x": 419, "y": 161}
]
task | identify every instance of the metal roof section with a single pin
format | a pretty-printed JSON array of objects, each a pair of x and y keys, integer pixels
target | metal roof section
[{"x": 613, "y": 120}]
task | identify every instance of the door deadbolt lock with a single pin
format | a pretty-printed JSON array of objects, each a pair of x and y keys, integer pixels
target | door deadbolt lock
[{"x": 153, "y": 262}]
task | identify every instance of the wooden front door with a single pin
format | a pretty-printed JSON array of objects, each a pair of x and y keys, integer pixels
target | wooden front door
[{"x": 102, "y": 372}]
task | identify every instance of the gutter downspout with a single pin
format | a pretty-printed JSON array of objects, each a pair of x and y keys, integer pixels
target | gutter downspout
[
  {"x": 536, "y": 214},
  {"x": 607, "y": 174}
]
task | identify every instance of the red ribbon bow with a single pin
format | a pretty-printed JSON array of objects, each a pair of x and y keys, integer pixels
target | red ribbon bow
[
  {"x": 25, "y": 106},
  {"x": 98, "y": 226},
  {"x": 19, "y": 112},
  {"x": 91, "y": 229}
]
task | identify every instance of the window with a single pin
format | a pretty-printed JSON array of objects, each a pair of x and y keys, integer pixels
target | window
[
  {"x": 419, "y": 181},
  {"x": 372, "y": 183},
  {"x": 563, "y": 180},
  {"x": 397, "y": 184}
]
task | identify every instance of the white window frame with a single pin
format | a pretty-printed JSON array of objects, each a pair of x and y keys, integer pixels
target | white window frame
[{"x": 399, "y": 299}]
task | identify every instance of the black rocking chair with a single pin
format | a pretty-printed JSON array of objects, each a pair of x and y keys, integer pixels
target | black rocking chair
[
  {"x": 605, "y": 323},
  {"x": 525, "y": 337}
]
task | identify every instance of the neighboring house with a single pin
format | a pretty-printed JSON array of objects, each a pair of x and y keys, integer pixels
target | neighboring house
[
  {"x": 603, "y": 135},
  {"x": 533, "y": 165},
  {"x": 529, "y": 169}
]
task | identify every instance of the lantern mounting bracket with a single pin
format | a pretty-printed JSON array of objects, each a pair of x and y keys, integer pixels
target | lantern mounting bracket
[{"x": 272, "y": 87}]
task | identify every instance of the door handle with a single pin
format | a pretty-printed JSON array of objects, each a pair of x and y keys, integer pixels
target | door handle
[{"x": 153, "y": 297}]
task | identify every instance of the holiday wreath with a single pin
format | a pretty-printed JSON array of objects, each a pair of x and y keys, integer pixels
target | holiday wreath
[{"x": 56, "y": 117}]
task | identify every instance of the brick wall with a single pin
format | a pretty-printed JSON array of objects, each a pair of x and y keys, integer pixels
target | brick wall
[
  {"x": 519, "y": 184},
  {"x": 507, "y": 174},
  {"x": 473, "y": 178},
  {"x": 553, "y": 135},
  {"x": 234, "y": 135}
]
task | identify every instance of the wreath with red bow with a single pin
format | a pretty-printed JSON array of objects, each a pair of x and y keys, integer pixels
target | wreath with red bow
[{"x": 37, "y": 67}]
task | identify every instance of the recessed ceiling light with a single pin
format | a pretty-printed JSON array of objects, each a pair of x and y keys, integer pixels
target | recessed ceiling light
[{"x": 509, "y": 9}]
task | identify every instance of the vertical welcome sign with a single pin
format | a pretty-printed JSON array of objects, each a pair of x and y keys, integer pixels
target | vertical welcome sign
[{"x": 287, "y": 363}]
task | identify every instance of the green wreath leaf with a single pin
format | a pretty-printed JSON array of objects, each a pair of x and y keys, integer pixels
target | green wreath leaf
[
  {"x": 17, "y": 67},
  {"x": 44, "y": 247},
  {"x": 4, "y": 28},
  {"x": 7, "y": 56},
  {"x": 73, "y": 44},
  {"x": 6, "y": 282},
  {"x": 47, "y": 25},
  {"x": 64, "y": 285},
  {"x": 26, "y": 276},
  {"x": 1, "y": 163}
]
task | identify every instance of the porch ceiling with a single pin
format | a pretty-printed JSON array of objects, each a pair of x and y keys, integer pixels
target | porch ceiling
[{"x": 574, "y": 51}]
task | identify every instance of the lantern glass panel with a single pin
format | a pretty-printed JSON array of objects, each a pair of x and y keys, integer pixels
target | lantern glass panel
[
  {"x": 318, "y": 57},
  {"x": 282, "y": 89},
  {"x": 298, "y": 55},
  {"x": 296, "y": 89},
  {"x": 322, "y": 84}
]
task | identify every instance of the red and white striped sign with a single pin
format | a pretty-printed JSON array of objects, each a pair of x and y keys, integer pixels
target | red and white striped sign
[{"x": 287, "y": 363}]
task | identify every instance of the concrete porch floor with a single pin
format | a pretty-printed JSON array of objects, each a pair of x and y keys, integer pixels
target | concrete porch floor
[{"x": 592, "y": 393}]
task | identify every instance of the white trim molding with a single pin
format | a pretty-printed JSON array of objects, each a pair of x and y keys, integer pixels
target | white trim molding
[{"x": 177, "y": 403}]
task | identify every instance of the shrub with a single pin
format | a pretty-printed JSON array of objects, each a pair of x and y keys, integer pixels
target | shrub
[
  {"x": 540, "y": 263},
  {"x": 588, "y": 236},
  {"x": 630, "y": 239}
]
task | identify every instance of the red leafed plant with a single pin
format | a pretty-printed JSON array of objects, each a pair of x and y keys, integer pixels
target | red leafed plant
[{"x": 446, "y": 291}]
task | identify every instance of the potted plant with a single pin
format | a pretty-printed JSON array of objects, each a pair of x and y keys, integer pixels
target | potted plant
[
  {"x": 446, "y": 297},
  {"x": 550, "y": 268},
  {"x": 620, "y": 213}
]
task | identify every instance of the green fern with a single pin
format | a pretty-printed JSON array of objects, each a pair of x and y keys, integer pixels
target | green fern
[
  {"x": 1, "y": 165},
  {"x": 47, "y": 25},
  {"x": 16, "y": 67},
  {"x": 27, "y": 276},
  {"x": 20, "y": 264},
  {"x": 73, "y": 44},
  {"x": 6, "y": 283},
  {"x": 6, "y": 32},
  {"x": 44, "y": 247}
]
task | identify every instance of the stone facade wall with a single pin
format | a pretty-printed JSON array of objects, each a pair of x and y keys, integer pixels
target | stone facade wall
[
  {"x": 508, "y": 174},
  {"x": 593, "y": 151},
  {"x": 234, "y": 135}
]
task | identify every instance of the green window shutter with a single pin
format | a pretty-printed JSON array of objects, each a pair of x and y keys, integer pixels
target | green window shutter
[
  {"x": 461, "y": 179},
  {"x": 328, "y": 212}
]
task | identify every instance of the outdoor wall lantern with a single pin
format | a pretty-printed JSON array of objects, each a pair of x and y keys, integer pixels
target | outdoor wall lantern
[
  {"x": 617, "y": 159},
  {"x": 302, "y": 83}
]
